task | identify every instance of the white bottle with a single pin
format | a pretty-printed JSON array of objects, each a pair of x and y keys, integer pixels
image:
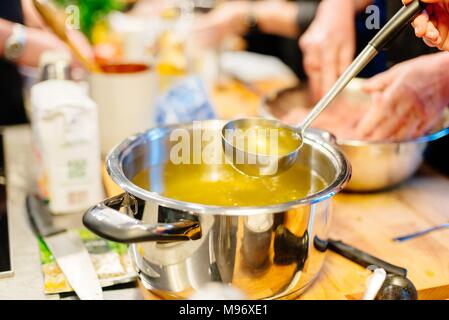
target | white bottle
[{"x": 66, "y": 145}]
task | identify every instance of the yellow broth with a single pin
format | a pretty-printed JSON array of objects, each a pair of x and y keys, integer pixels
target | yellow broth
[
  {"x": 270, "y": 142},
  {"x": 222, "y": 185}
]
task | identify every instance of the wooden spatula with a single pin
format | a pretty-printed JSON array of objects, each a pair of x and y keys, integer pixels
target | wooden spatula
[{"x": 55, "y": 19}]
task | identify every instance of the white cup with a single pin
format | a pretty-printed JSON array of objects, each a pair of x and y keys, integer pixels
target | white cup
[{"x": 125, "y": 97}]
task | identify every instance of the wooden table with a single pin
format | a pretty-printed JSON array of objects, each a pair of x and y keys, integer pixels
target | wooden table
[{"x": 370, "y": 221}]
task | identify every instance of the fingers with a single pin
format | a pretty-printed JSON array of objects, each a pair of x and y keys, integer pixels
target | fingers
[
  {"x": 315, "y": 85},
  {"x": 312, "y": 67},
  {"x": 432, "y": 33},
  {"x": 82, "y": 43},
  {"x": 395, "y": 115},
  {"x": 388, "y": 117},
  {"x": 328, "y": 44},
  {"x": 310, "y": 44},
  {"x": 407, "y": 129},
  {"x": 427, "y": 123},
  {"x": 380, "y": 81},
  {"x": 426, "y": 28},
  {"x": 323, "y": 63},
  {"x": 345, "y": 56},
  {"x": 433, "y": 24},
  {"x": 429, "y": 43},
  {"x": 371, "y": 119},
  {"x": 330, "y": 60},
  {"x": 420, "y": 24}
]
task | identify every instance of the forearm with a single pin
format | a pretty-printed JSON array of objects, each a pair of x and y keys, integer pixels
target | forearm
[
  {"x": 277, "y": 17},
  {"x": 281, "y": 17},
  {"x": 37, "y": 42}
]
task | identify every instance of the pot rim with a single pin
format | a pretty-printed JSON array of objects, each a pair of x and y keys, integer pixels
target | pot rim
[{"x": 115, "y": 170}]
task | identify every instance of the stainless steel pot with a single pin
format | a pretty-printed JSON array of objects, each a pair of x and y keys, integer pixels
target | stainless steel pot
[
  {"x": 375, "y": 165},
  {"x": 178, "y": 247}
]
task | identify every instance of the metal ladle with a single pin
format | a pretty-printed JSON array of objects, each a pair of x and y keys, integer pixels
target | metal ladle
[{"x": 271, "y": 164}]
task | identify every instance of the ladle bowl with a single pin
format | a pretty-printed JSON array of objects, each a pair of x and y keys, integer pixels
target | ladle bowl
[{"x": 255, "y": 163}]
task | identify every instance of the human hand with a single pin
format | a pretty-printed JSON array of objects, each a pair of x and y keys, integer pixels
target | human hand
[
  {"x": 433, "y": 24},
  {"x": 225, "y": 20},
  {"x": 408, "y": 100},
  {"x": 329, "y": 44}
]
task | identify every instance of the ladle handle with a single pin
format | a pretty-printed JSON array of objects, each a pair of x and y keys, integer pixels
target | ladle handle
[
  {"x": 351, "y": 72},
  {"x": 390, "y": 31},
  {"x": 362, "y": 258},
  {"x": 397, "y": 24}
]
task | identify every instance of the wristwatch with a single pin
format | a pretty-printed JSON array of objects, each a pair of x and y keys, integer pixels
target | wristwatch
[{"x": 15, "y": 44}]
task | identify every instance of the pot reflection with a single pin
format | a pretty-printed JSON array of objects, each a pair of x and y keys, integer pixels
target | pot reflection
[{"x": 257, "y": 240}]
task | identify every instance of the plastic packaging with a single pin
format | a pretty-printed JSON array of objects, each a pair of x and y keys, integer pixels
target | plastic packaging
[{"x": 66, "y": 146}]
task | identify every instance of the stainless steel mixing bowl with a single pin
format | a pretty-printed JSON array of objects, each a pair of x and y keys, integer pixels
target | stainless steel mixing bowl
[
  {"x": 375, "y": 165},
  {"x": 177, "y": 247}
]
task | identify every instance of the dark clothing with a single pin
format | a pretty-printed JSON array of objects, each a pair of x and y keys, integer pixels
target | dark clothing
[
  {"x": 285, "y": 49},
  {"x": 406, "y": 46},
  {"x": 11, "y": 99}
]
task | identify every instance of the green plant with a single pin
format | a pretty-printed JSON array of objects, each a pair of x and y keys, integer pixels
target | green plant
[{"x": 91, "y": 11}]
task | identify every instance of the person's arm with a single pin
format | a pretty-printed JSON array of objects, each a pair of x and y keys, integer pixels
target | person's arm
[
  {"x": 328, "y": 45},
  {"x": 36, "y": 42},
  {"x": 277, "y": 17},
  {"x": 291, "y": 19},
  {"x": 236, "y": 17}
]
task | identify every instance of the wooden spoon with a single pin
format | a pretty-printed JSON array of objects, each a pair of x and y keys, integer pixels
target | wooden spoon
[{"x": 56, "y": 21}]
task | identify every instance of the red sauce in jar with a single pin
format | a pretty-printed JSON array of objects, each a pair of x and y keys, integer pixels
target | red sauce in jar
[{"x": 122, "y": 68}]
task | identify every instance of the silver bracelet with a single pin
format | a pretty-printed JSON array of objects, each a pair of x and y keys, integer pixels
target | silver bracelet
[{"x": 15, "y": 44}]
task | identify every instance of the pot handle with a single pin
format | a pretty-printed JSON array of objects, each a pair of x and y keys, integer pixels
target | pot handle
[{"x": 107, "y": 222}]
